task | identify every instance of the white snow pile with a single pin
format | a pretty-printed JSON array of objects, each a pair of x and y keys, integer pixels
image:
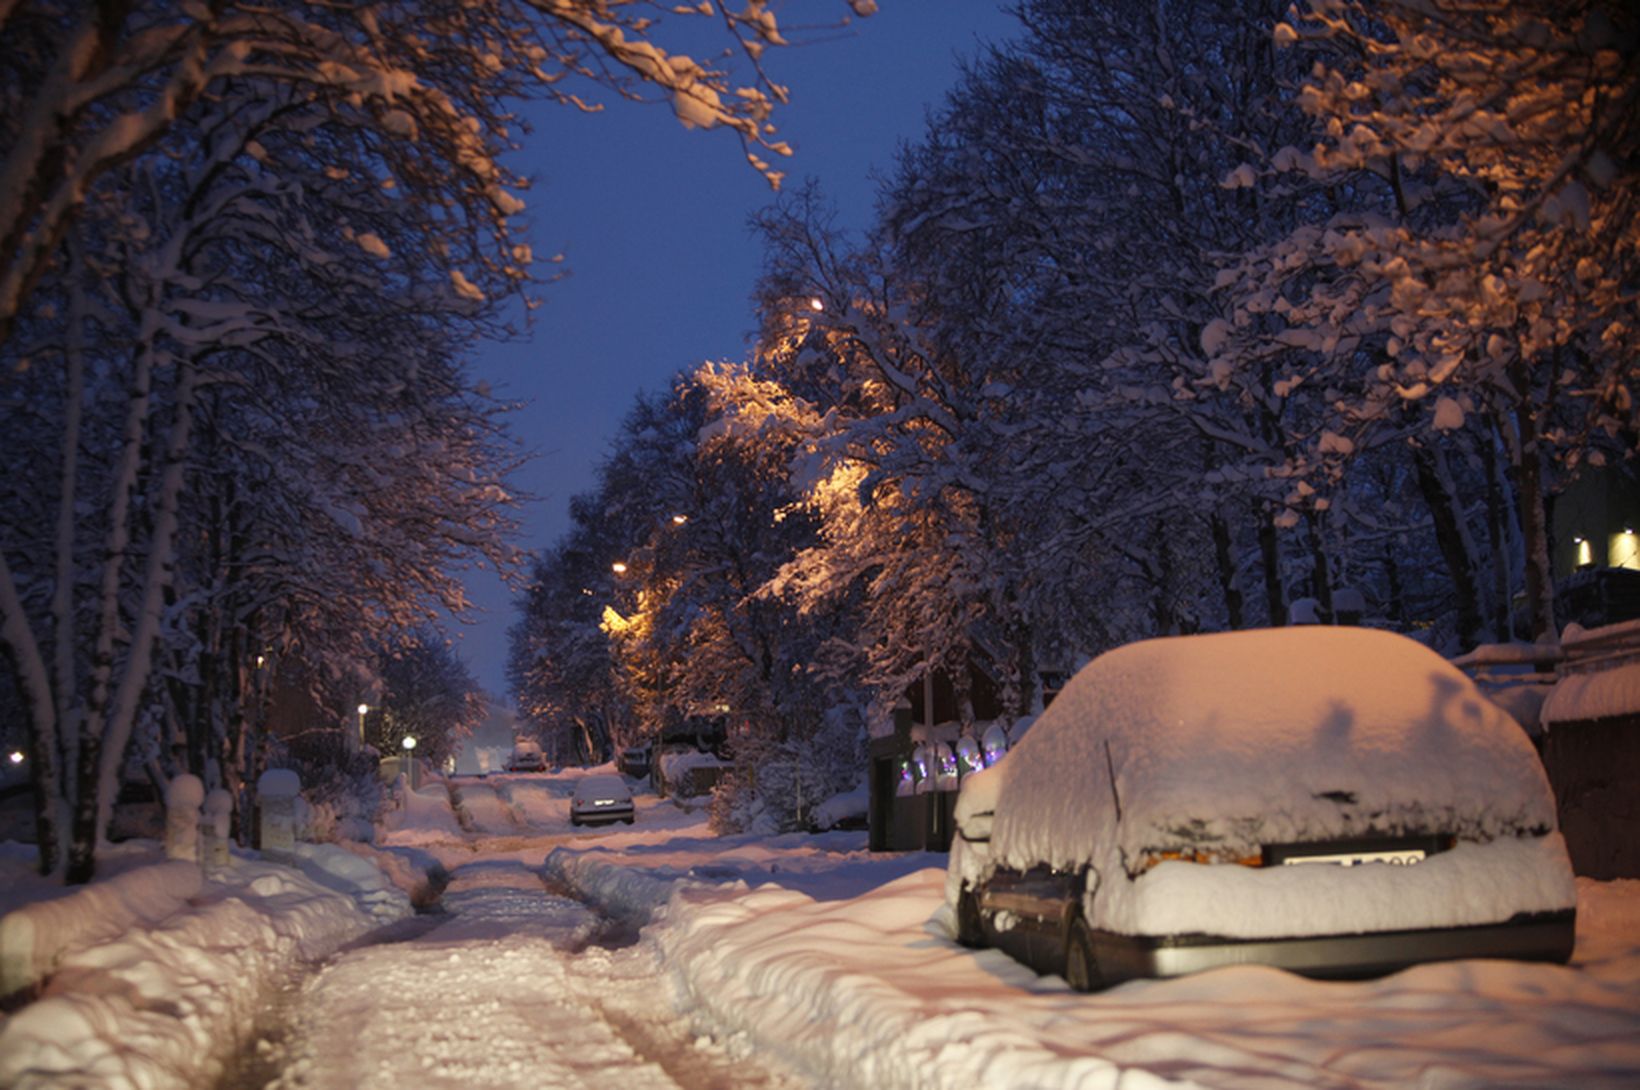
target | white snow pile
[
  {"x": 843, "y": 806},
  {"x": 35, "y": 936},
  {"x": 356, "y": 875},
  {"x": 632, "y": 879},
  {"x": 424, "y": 816},
  {"x": 626, "y": 893},
  {"x": 1269, "y": 736},
  {"x": 165, "y": 1002},
  {"x": 870, "y": 992}
]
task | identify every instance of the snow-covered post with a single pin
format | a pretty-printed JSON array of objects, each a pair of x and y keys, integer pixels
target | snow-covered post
[
  {"x": 276, "y": 795},
  {"x": 218, "y": 815},
  {"x": 183, "y": 797}
]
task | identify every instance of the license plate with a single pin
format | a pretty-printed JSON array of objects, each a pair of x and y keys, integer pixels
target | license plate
[{"x": 1400, "y": 857}]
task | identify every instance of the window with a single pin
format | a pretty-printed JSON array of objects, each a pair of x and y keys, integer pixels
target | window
[{"x": 1625, "y": 549}]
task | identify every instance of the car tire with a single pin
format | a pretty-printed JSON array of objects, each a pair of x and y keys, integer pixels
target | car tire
[
  {"x": 1081, "y": 964},
  {"x": 970, "y": 925},
  {"x": 628, "y": 820}
]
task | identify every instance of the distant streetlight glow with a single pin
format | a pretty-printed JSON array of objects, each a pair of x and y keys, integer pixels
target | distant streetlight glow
[
  {"x": 817, "y": 303},
  {"x": 16, "y": 756},
  {"x": 363, "y": 711},
  {"x": 679, "y": 520},
  {"x": 619, "y": 567},
  {"x": 408, "y": 743}
]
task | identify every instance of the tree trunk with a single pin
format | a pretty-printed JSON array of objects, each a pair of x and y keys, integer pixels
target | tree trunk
[
  {"x": 29, "y": 668},
  {"x": 1224, "y": 563},
  {"x": 62, "y": 597},
  {"x": 1320, "y": 577},
  {"x": 1534, "y": 522},
  {"x": 1503, "y": 624},
  {"x": 1269, "y": 548},
  {"x": 1452, "y": 536},
  {"x": 1397, "y": 593}
]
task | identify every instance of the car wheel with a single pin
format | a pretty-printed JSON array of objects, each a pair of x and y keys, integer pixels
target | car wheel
[
  {"x": 970, "y": 927},
  {"x": 1081, "y": 966},
  {"x": 629, "y": 820},
  {"x": 573, "y": 820}
]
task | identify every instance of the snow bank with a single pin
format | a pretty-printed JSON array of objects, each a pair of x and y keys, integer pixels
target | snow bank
[
  {"x": 627, "y": 893},
  {"x": 423, "y": 817},
  {"x": 869, "y": 992},
  {"x": 357, "y": 876},
  {"x": 843, "y": 806},
  {"x": 34, "y": 937},
  {"x": 1270, "y": 736},
  {"x": 860, "y": 993},
  {"x": 166, "y": 1003}
]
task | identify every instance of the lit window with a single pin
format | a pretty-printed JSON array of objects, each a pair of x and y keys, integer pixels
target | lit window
[
  {"x": 1585, "y": 553},
  {"x": 1625, "y": 549}
]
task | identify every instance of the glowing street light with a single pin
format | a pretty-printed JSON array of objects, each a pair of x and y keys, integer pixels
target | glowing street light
[
  {"x": 409, "y": 745},
  {"x": 679, "y": 520},
  {"x": 15, "y": 756},
  {"x": 619, "y": 567},
  {"x": 817, "y": 304},
  {"x": 364, "y": 709}
]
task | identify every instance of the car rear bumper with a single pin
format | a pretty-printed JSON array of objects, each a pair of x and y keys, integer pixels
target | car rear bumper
[
  {"x": 1545, "y": 936},
  {"x": 602, "y": 815}
]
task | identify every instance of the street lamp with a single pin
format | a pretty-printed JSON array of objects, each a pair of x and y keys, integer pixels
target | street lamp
[
  {"x": 409, "y": 744},
  {"x": 15, "y": 756},
  {"x": 619, "y": 567},
  {"x": 363, "y": 710},
  {"x": 679, "y": 520}
]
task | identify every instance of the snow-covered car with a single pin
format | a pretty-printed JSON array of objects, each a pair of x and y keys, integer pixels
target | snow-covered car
[
  {"x": 526, "y": 756},
  {"x": 1339, "y": 802},
  {"x": 599, "y": 800}
]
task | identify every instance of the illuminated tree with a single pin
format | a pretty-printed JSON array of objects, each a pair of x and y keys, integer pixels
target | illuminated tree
[{"x": 1495, "y": 273}]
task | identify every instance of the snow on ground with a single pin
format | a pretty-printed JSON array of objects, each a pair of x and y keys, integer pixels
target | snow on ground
[
  {"x": 867, "y": 989},
  {"x": 779, "y": 962},
  {"x": 165, "y": 1003},
  {"x": 503, "y": 993}
]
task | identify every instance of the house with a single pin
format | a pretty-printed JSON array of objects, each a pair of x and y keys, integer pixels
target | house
[
  {"x": 1595, "y": 547},
  {"x": 920, "y": 755}
]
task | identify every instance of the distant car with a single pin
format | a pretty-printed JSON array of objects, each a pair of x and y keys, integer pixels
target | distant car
[
  {"x": 1338, "y": 802},
  {"x": 601, "y": 800},
  {"x": 634, "y": 762},
  {"x": 526, "y": 757}
]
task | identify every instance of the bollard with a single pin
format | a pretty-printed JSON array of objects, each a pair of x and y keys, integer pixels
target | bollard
[
  {"x": 218, "y": 815},
  {"x": 182, "y": 798},
  {"x": 276, "y": 795}
]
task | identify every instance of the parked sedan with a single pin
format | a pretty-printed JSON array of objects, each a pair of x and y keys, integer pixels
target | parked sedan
[
  {"x": 1338, "y": 802},
  {"x": 600, "y": 800}
]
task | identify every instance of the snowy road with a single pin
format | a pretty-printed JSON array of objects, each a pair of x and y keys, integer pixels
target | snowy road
[
  {"x": 519, "y": 987},
  {"x": 514, "y": 986}
]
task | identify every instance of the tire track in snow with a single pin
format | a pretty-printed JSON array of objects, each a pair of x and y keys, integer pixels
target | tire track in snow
[{"x": 510, "y": 990}]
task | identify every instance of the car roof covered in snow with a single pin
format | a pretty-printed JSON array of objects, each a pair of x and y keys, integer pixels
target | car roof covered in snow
[
  {"x": 1281, "y": 735},
  {"x": 601, "y": 784}
]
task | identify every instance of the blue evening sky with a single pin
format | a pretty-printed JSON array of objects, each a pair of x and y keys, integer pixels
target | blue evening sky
[{"x": 652, "y": 221}]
